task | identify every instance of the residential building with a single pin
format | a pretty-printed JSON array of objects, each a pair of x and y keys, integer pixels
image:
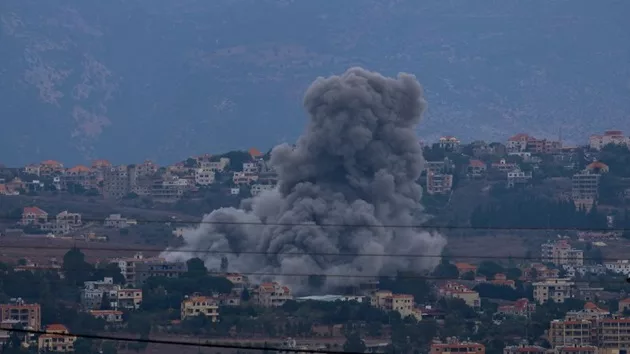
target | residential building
[
  {"x": 439, "y": 183},
  {"x": 78, "y": 175},
  {"x": 94, "y": 291},
  {"x": 589, "y": 312},
  {"x": 56, "y": 339},
  {"x": 18, "y": 311},
  {"x": 454, "y": 346},
  {"x": 242, "y": 177},
  {"x": 269, "y": 178},
  {"x": 116, "y": 182},
  {"x": 271, "y": 295},
  {"x": 33, "y": 216},
  {"x": 50, "y": 168},
  {"x": 504, "y": 166},
  {"x": 118, "y": 222},
  {"x": 517, "y": 177},
  {"x": 620, "y": 266},
  {"x": 216, "y": 166},
  {"x": 449, "y": 143},
  {"x": 145, "y": 169},
  {"x": 597, "y": 142},
  {"x": 577, "y": 349},
  {"x": 570, "y": 332},
  {"x": 255, "y": 154},
  {"x": 401, "y": 303},
  {"x": 521, "y": 307},
  {"x": 110, "y": 316},
  {"x": 257, "y": 188},
  {"x": 538, "y": 271},
  {"x": 204, "y": 176},
  {"x": 585, "y": 188},
  {"x": 128, "y": 266},
  {"x": 240, "y": 282},
  {"x": 127, "y": 299},
  {"x": 32, "y": 170},
  {"x": 518, "y": 142},
  {"x": 556, "y": 290},
  {"x": 169, "y": 190},
  {"x": 63, "y": 223},
  {"x": 158, "y": 268},
  {"x": 454, "y": 290},
  {"x": 501, "y": 279},
  {"x": 543, "y": 146},
  {"x": 561, "y": 253},
  {"x": 200, "y": 305}
]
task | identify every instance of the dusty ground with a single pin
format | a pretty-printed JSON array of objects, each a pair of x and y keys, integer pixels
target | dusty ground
[{"x": 500, "y": 247}]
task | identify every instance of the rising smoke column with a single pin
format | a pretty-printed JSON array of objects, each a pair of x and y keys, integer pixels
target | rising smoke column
[{"x": 355, "y": 167}]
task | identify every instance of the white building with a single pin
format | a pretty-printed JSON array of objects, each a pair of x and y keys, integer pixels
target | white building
[
  {"x": 561, "y": 253},
  {"x": 553, "y": 289},
  {"x": 204, "y": 176},
  {"x": 215, "y": 166},
  {"x": 597, "y": 142},
  {"x": 619, "y": 266},
  {"x": 518, "y": 177},
  {"x": 256, "y": 189},
  {"x": 117, "y": 221}
]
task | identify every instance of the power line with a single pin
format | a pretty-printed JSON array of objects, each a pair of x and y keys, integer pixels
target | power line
[
  {"x": 171, "y": 342},
  {"x": 386, "y": 226},
  {"x": 266, "y": 253}
]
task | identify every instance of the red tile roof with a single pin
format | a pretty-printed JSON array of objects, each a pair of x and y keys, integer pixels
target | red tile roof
[
  {"x": 477, "y": 163},
  {"x": 519, "y": 137},
  {"x": 34, "y": 210},
  {"x": 51, "y": 163},
  {"x": 253, "y": 152},
  {"x": 79, "y": 168}
]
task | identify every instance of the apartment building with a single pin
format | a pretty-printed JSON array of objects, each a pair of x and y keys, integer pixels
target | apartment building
[
  {"x": 216, "y": 166},
  {"x": 33, "y": 216},
  {"x": 50, "y": 168},
  {"x": 258, "y": 188},
  {"x": 561, "y": 253},
  {"x": 538, "y": 271},
  {"x": 170, "y": 189},
  {"x": 93, "y": 292},
  {"x": 197, "y": 305},
  {"x": 556, "y": 290},
  {"x": 607, "y": 333},
  {"x": 597, "y": 142},
  {"x": 271, "y": 295},
  {"x": 570, "y": 332},
  {"x": 401, "y": 303},
  {"x": 619, "y": 266},
  {"x": 56, "y": 339},
  {"x": 452, "y": 290},
  {"x": 79, "y": 175},
  {"x": 518, "y": 142},
  {"x": 204, "y": 176},
  {"x": 158, "y": 268},
  {"x": 517, "y": 177},
  {"x": 116, "y": 182},
  {"x": 449, "y": 143},
  {"x": 439, "y": 183},
  {"x": 585, "y": 188},
  {"x": 524, "y": 349},
  {"x": 18, "y": 311},
  {"x": 455, "y": 346},
  {"x": 126, "y": 299},
  {"x": 129, "y": 268},
  {"x": 543, "y": 146}
]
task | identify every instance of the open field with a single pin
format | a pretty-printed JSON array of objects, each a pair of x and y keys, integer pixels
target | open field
[{"x": 500, "y": 246}]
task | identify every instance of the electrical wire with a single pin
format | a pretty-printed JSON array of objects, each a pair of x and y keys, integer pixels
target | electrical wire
[{"x": 182, "y": 343}]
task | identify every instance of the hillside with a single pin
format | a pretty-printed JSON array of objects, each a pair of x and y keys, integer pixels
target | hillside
[{"x": 136, "y": 79}]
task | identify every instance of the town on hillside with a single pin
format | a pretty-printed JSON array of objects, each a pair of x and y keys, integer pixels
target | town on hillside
[{"x": 80, "y": 254}]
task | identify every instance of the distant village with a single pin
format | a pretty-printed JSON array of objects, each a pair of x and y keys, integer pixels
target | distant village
[{"x": 569, "y": 299}]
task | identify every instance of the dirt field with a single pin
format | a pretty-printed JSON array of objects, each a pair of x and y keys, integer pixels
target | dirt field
[
  {"x": 502, "y": 246},
  {"x": 40, "y": 249}
]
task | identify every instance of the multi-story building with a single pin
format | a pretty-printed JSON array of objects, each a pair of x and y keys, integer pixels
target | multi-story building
[
  {"x": 258, "y": 188},
  {"x": 570, "y": 332},
  {"x": 524, "y": 349},
  {"x": 158, "y": 268},
  {"x": 518, "y": 177},
  {"x": 521, "y": 307},
  {"x": 439, "y": 183},
  {"x": 504, "y": 166},
  {"x": 56, "y": 339},
  {"x": 17, "y": 311},
  {"x": 585, "y": 188},
  {"x": 204, "y": 176},
  {"x": 401, "y": 303},
  {"x": 94, "y": 291},
  {"x": 620, "y": 266},
  {"x": 271, "y": 295},
  {"x": 240, "y": 282},
  {"x": 454, "y": 346},
  {"x": 597, "y": 142},
  {"x": 454, "y": 290},
  {"x": 129, "y": 268},
  {"x": 170, "y": 189},
  {"x": 518, "y": 142},
  {"x": 556, "y": 290},
  {"x": 127, "y": 299},
  {"x": 78, "y": 175},
  {"x": 33, "y": 216},
  {"x": 147, "y": 168},
  {"x": 116, "y": 182},
  {"x": 216, "y": 166},
  {"x": 561, "y": 253},
  {"x": 50, "y": 168},
  {"x": 543, "y": 146},
  {"x": 200, "y": 305}
]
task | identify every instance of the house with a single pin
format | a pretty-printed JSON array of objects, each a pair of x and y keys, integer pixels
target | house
[
  {"x": 476, "y": 169},
  {"x": 204, "y": 176},
  {"x": 517, "y": 177},
  {"x": 620, "y": 266},
  {"x": 501, "y": 279},
  {"x": 597, "y": 142},
  {"x": 50, "y": 168},
  {"x": 255, "y": 154},
  {"x": 271, "y": 295},
  {"x": 464, "y": 268},
  {"x": 157, "y": 267},
  {"x": 20, "y": 312},
  {"x": 504, "y": 166},
  {"x": 537, "y": 271},
  {"x": 94, "y": 291},
  {"x": 32, "y": 170},
  {"x": 110, "y": 316},
  {"x": 127, "y": 299},
  {"x": 33, "y": 216},
  {"x": 590, "y": 312},
  {"x": 452, "y": 290},
  {"x": 78, "y": 175},
  {"x": 521, "y": 307},
  {"x": 197, "y": 305},
  {"x": 556, "y": 290},
  {"x": 518, "y": 142},
  {"x": 56, "y": 339},
  {"x": 597, "y": 167},
  {"x": 401, "y": 303},
  {"x": 524, "y": 349}
]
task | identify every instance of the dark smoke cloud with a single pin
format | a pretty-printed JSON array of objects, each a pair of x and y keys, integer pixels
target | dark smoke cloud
[{"x": 355, "y": 167}]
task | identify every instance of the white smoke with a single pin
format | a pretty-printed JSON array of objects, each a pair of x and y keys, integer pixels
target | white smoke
[{"x": 356, "y": 167}]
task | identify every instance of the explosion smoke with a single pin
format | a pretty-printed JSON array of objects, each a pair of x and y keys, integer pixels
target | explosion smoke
[{"x": 356, "y": 168}]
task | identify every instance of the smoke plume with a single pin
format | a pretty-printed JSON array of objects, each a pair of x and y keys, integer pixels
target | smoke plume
[{"x": 349, "y": 178}]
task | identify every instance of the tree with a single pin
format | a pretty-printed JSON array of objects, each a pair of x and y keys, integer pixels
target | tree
[
  {"x": 196, "y": 268},
  {"x": 109, "y": 270},
  {"x": 354, "y": 343},
  {"x": 190, "y": 163},
  {"x": 245, "y": 295},
  {"x": 446, "y": 270},
  {"x": 75, "y": 268},
  {"x": 489, "y": 269}
]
